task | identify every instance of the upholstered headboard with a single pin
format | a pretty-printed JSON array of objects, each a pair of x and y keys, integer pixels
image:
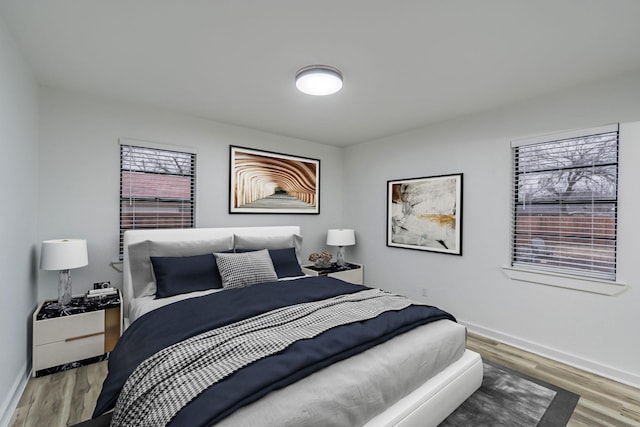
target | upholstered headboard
[{"x": 183, "y": 235}]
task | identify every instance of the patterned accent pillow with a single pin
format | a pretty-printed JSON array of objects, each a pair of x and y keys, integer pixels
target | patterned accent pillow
[
  {"x": 284, "y": 261},
  {"x": 245, "y": 269}
]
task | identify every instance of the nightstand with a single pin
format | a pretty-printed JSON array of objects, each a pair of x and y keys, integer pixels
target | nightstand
[
  {"x": 350, "y": 272},
  {"x": 79, "y": 333}
]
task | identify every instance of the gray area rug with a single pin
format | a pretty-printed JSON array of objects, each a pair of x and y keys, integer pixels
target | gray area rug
[{"x": 510, "y": 398}]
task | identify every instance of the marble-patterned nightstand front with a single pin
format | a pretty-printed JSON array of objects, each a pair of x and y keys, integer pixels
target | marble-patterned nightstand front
[{"x": 82, "y": 332}]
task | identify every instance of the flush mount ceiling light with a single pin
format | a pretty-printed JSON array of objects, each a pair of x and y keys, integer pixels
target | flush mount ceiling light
[{"x": 319, "y": 80}]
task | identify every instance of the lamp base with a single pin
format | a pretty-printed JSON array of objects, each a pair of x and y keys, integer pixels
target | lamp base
[
  {"x": 64, "y": 288},
  {"x": 340, "y": 259}
]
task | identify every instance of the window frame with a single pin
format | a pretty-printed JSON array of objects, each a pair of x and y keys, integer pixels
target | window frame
[
  {"x": 159, "y": 201},
  {"x": 527, "y": 271}
]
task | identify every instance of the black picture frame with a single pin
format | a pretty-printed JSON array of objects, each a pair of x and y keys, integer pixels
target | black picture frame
[
  {"x": 425, "y": 213},
  {"x": 266, "y": 182}
]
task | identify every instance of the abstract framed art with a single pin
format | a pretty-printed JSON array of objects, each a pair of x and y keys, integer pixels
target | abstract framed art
[
  {"x": 267, "y": 182},
  {"x": 425, "y": 213}
]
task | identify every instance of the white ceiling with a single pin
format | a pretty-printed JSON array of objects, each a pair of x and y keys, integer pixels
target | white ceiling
[{"x": 406, "y": 63}]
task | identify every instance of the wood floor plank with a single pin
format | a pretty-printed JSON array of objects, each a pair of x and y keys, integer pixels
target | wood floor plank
[{"x": 60, "y": 399}]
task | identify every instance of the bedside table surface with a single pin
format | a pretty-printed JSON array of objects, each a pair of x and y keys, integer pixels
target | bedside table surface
[
  {"x": 350, "y": 272},
  {"x": 51, "y": 309},
  {"x": 333, "y": 268}
]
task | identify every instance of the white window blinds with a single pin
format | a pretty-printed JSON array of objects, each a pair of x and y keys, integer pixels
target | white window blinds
[
  {"x": 157, "y": 189},
  {"x": 565, "y": 203}
]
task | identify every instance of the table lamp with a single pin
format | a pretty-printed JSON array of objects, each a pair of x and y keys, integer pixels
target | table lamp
[
  {"x": 341, "y": 238},
  {"x": 63, "y": 255}
]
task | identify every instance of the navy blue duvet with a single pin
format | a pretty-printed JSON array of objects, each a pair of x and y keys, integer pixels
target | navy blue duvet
[{"x": 184, "y": 319}]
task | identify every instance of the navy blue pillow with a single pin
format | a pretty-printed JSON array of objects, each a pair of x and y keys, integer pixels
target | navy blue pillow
[
  {"x": 179, "y": 275},
  {"x": 284, "y": 261}
]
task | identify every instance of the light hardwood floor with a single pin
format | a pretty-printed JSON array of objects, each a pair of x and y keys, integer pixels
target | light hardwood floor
[
  {"x": 61, "y": 399},
  {"x": 67, "y": 398},
  {"x": 603, "y": 402}
]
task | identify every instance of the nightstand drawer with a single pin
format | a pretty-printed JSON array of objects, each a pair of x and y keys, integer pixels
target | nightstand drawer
[
  {"x": 68, "y": 327},
  {"x": 58, "y": 353},
  {"x": 354, "y": 276}
]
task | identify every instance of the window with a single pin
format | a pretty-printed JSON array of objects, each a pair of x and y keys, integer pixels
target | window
[
  {"x": 565, "y": 203},
  {"x": 157, "y": 189}
]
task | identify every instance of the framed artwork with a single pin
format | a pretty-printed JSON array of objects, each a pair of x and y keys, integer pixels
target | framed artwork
[
  {"x": 266, "y": 182},
  {"x": 425, "y": 214}
]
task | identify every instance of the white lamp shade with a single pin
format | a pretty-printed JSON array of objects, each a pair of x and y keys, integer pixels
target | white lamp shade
[
  {"x": 63, "y": 254},
  {"x": 341, "y": 237}
]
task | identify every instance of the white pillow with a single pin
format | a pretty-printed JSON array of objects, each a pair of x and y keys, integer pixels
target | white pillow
[{"x": 245, "y": 269}]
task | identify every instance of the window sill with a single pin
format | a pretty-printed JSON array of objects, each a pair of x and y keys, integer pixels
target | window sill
[
  {"x": 117, "y": 265},
  {"x": 563, "y": 281}
]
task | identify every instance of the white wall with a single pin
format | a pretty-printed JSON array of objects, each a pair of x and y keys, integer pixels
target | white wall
[
  {"x": 597, "y": 332},
  {"x": 79, "y": 176},
  {"x": 18, "y": 216}
]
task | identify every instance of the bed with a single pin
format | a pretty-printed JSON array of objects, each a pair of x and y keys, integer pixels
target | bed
[{"x": 411, "y": 368}]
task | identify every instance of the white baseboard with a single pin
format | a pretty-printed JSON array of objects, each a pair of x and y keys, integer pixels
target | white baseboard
[
  {"x": 578, "y": 362},
  {"x": 10, "y": 403}
]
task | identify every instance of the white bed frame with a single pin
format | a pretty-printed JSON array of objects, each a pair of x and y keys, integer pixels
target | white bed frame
[{"x": 428, "y": 405}]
